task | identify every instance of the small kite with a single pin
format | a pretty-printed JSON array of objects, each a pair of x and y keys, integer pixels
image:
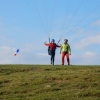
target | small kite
[{"x": 16, "y": 52}]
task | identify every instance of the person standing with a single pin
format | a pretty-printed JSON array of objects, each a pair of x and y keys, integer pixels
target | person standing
[
  {"x": 52, "y": 49},
  {"x": 66, "y": 51}
]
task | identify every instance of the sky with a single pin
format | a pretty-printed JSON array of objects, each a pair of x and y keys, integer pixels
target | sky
[{"x": 27, "y": 24}]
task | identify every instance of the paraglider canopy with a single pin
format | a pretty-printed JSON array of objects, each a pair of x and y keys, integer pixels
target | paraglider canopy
[{"x": 16, "y": 52}]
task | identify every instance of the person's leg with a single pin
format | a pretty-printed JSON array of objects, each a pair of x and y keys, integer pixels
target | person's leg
[
  {"x": 68, "y": 60},
  {"x": 53, "y": 57},
  {"x": 63, "y": 55}
]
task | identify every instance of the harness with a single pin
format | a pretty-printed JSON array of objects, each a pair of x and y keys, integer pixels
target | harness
[{"x": 51, "y": 48}]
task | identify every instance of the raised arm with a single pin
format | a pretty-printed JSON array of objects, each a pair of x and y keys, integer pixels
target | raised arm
[{"x": 46, "y": 44}]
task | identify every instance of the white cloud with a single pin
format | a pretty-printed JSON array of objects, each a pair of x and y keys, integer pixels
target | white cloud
[
  {"x": 2, "y": 37},
  {"x": 87, "y": 58},
  {"x": 42, "y": 54},
  {"x": 31, "y": 47},
  {"x": 1, "y": 26},
  {"x": 23, "y": 57},
  {"x": 6, "y": 55},
  {"x": 96, "y": 23},
  {"x": 26, "y": 57},
  {"x": 87, "y": 41},
  {"x": 89, "y": 54}
]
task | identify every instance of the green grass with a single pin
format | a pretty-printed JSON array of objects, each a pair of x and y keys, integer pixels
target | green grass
[{"x": 44, "y": 82}]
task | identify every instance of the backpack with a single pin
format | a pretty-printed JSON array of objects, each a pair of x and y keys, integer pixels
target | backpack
[{"x": 49, "y": 50}]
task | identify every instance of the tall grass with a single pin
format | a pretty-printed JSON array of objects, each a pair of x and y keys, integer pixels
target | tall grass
[{"x": 44, "y": 82}]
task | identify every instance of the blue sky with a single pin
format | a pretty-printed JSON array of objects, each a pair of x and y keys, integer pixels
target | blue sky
[{"x": 27, "y": 24}]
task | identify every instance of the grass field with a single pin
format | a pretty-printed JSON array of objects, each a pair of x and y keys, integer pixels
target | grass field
[{"x": 44, "y": 82}]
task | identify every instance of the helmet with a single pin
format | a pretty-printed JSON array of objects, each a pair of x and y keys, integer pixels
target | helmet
[
  {"x": 65, "y": 40},
  {"x": 52, "y": 40}
]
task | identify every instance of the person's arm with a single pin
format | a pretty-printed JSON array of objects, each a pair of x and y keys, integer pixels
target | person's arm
[
  {"x": 57, "y": 45},
  {"x": 69, "y": 50},
  {"x": 46, "y": 44},
  {"x": 60, "y": 49}
]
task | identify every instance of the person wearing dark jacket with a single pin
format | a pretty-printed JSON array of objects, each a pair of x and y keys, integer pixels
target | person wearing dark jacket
[{"x": 52, "y": 49}]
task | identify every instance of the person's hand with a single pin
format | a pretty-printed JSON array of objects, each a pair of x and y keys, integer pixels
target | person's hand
[{"x": 44, "y": 42}]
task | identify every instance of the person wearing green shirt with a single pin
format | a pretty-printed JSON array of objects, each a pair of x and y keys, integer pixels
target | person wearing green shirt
[{"x": 66, "y": 51}]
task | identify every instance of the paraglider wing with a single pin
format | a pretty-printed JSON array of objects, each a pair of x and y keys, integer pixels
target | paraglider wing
[{"x": 16, "y": 52}]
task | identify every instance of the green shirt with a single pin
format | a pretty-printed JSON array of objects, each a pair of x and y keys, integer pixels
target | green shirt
[{"x": 65, "y": 48}]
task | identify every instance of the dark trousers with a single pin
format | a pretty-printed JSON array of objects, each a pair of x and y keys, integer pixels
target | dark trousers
[{"x": 52, "y": 53}]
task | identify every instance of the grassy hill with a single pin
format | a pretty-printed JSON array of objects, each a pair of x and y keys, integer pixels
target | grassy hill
[{"x": 44, "y": 82}]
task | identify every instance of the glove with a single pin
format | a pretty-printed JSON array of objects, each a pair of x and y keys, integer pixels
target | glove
[
  {"x": 44, "y": 42},
  {"x": 60, "y": 52},
  {"x": 69, "y": 53}
]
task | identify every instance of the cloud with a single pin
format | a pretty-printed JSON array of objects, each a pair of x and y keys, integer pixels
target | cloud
[
  {"x": 94, "y": 39},
  {"x": 1, "y": 26},
  {"x": 23, "y": 57},
  {"x": 86, "y": 58},
  {"x": 6, "y": 55},
  {"x": 42, "y": 54},
  {"x": 31, "y": 47},
  {"x": 26, "y": 57},
  {"x": 2, "y": 37},
  {"x": 96, "y": 23},
  {"x": 89, "y": 54},
  {"x": 90, "y": 58}
]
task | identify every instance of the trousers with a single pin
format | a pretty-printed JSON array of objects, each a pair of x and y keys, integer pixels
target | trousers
[
  {"x": 52, "y": 53},
  {"x": 67, "y": 57}
]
